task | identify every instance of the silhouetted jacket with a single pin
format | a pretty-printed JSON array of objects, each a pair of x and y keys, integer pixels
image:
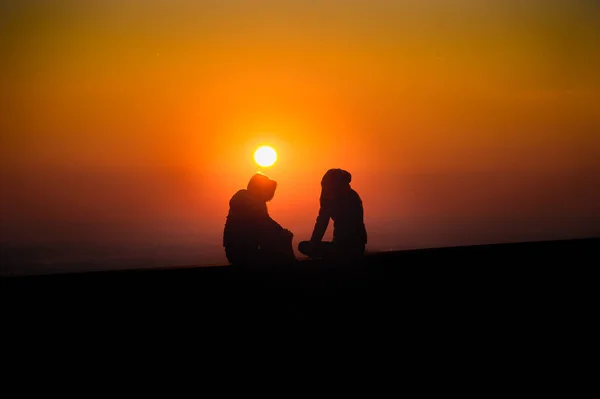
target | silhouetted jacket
[
  {"x": 248, "y": 223},
  {"x": 347, "y": 214}
]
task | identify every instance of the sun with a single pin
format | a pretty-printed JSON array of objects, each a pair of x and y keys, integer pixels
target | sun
[{"x": 265, "y": 156}]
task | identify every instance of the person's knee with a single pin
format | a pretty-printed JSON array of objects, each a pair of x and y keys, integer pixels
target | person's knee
[
  {"x": 304, "y": 247},
  {"x": 237, "y": 255}
]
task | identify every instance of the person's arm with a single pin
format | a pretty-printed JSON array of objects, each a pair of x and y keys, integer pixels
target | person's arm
[
  {"x": 361, "y": 213},
  {"x": 269, "y": 225},
  {"x": 321, "y": 223},
  {"x": 267, "y": 228}
]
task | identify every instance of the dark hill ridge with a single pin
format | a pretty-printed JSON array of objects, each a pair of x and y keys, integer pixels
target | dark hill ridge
[{"x": 440, "y": 287}]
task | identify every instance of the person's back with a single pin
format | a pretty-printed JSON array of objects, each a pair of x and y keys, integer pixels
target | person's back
[
  {"x": 250, "y": 234},
  {"x": 347, "y": 215},
  {"x": 239, "y": 236},
  {"x": 343, "y": 205}
]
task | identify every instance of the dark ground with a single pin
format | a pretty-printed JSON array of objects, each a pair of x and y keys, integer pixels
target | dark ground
[
  {"x": 480, "y": 286},
  {"x": 494, "y": 318}
]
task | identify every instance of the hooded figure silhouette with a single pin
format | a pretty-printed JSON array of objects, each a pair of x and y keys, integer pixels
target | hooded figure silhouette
[
  {"x": 342, "y": 204},
  {"x": 251, "y": 236}
]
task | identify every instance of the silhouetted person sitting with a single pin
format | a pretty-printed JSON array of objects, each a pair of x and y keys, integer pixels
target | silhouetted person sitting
[
  {"x": 342, "y": 204},
  {"x": 251, "y": 236}
]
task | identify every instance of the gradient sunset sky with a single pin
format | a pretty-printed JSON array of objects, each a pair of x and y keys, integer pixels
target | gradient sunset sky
[{"x": 462, "y": 122}]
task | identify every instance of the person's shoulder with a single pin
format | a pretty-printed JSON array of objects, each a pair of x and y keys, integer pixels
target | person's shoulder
[
  {"x": 243, "y": 200},
  {"x": 239, "y": 197},
  {"x": 355, "y": 195}
]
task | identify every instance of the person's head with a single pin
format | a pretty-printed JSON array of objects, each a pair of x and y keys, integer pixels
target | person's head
[
  {"x": 335, "y": 182},
  {"x": 262, "y": 187}
]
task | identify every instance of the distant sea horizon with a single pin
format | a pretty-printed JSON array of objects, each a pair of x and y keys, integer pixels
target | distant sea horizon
[{"x": 54, "y": 258}]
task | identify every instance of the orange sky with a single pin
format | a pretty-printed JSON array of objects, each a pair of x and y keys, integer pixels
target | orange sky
[{"x": 461, "y": 122}]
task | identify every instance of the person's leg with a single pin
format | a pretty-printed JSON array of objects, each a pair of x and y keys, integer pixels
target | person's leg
[
  {"x": 285, "y": 249},
  {"x": 305, "y": 248},
  {"x": 346, "y": 252},
  {"x": 232, "y": 255},
  {"x": 319, "y": 249},
  {"x": 241, "y": 254},
  {"x": 278, "y": 250}
]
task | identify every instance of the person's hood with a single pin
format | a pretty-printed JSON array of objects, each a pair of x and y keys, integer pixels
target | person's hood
[
  {"x": 262, "y": 187},
  {"x": 336, "y": 178},
  {"x": 244, "y": 201}
]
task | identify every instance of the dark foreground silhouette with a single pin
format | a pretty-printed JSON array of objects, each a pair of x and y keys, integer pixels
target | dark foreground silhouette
[
  {"x": 343, "y": 205},
  {"x": 479, "y": 290},
  {"x": 251, "y": 236}
]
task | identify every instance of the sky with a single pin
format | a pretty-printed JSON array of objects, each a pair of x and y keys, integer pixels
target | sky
[{"x": 131, "y": 123}]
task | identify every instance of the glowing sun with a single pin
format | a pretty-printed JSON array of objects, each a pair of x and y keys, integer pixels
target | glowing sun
[{"x": 265, "y": 156}]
